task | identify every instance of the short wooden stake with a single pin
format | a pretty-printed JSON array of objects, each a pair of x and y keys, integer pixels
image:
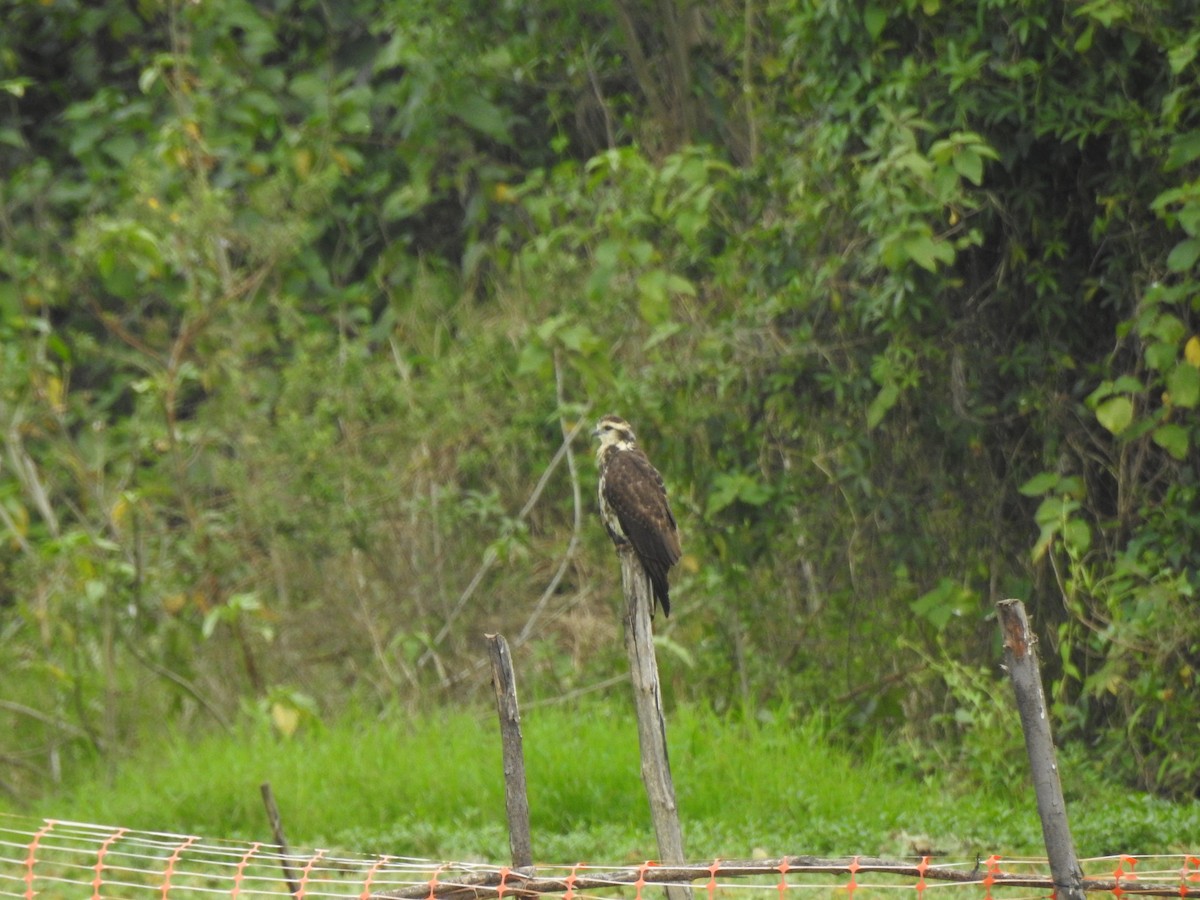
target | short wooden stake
[
  {"x": 276, "y": 821},
  {"x": 1021, "y": 659},
  {"x": 652, "y": 727},
  {"x": 516, "y": 799}
]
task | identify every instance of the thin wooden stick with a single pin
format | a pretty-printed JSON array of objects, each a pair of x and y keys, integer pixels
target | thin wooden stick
[
  {"x": 277, "y": 830},
  {"x": 516, "y": 799}
]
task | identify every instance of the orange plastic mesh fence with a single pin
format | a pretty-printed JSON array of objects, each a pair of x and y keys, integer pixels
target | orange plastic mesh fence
[{"x": 52, "y": 859}]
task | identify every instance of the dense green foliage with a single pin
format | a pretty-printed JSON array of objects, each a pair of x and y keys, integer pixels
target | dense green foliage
[{"x": 298, "y": 301}]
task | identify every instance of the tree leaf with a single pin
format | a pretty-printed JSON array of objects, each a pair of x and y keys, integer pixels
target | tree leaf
[
  {"x": 884, "y": 400},
  {"x": 731, "y": 487},
  {"x": 1172, "y": 438},
  {"x": 875, "y": 18},
  {"x": 1167, "y": 327},
  {"x": 1161, "y": 355},
  {"x": 942, "y": 604},
  {"x": 654, "y": 302},
  {"x": 1191, "y": 351},
  {"x": 1040, "y": 484},
  {"x": 1179, "y": 58},
  {"x": 926, "y": 251},
  {"x": 969, "y": 164},
  {"x": 1115, "y": 414},
  {"x": 1184, "y": 149},
  {"x": 481, "y": 114},
  {"x": 1083, "y": 43},
  {"x": 1183, "y": 384},
  {"x": 1184, "y": 255},
  {"x": 1077, "y": 535},
  {"x": 1125, "y": 384}
]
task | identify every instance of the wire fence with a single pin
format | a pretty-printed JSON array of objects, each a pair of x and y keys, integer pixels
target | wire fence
[{"x": 51, "y": 859}]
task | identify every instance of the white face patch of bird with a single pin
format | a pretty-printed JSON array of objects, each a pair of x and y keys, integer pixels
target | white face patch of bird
[{"x": 613, "y": 431}]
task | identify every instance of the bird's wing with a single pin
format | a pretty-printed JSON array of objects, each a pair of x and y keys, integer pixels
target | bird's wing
[{"x": 635, "y": 491}]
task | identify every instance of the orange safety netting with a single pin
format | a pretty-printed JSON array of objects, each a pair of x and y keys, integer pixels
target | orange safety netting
[{"x": 53, "y": 858}]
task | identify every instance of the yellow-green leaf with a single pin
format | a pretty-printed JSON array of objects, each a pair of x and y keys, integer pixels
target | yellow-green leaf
[
  {"x": 1184, "y": 386},
  {"x": 1039, "y": 484},
  {"x": 1115, "y": 414},
  {"x": 286, "y": 719}
]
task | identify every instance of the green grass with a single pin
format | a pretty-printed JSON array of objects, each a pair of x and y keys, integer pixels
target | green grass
[{"x": 431, "y": 786}]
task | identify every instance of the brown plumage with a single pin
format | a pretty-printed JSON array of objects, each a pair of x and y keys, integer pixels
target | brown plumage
[{"x": 633, "y": 504}]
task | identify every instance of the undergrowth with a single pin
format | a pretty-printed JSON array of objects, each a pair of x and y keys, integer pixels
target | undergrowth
[{"x": 430, "y": 785}]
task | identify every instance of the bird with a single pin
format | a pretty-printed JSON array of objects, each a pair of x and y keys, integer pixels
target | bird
[{"x": 634, "y": 506}]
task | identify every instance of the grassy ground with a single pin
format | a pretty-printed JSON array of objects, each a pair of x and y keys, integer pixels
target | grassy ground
[{"x": 432, "y": 787}]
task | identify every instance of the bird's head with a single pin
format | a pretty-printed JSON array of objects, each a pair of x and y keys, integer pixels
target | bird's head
[{"x": 613, "y": 431}]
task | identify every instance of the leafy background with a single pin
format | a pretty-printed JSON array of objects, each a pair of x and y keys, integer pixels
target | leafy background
[{"x": 303, "y": 306}]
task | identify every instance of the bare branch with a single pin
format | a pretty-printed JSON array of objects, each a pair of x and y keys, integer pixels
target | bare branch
[
  {"x": 577, "y": 522},
  {"x": 490, "y": 556}
]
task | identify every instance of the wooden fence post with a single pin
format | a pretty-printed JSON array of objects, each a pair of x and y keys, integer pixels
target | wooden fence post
[
  {"x": 651, "y": 724},
  {"x": 1021, "y": 659},
  {"x": 516, "y": 799}
]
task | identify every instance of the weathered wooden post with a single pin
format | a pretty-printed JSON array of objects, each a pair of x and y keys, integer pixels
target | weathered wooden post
[
  {"x": 1021, "y": 659},
  {"x": 651, "y": 724},
  {"x": 516, "y": 799}
]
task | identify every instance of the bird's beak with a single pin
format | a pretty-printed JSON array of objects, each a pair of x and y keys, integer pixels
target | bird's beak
[{"x": 596, "y": 432}]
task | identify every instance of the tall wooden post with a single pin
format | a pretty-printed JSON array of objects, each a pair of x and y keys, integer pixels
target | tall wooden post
[
  {"x": 1021, "y": 659},
  {"x": 516, "y": 798},
  {"x": 651, "y": 724}
]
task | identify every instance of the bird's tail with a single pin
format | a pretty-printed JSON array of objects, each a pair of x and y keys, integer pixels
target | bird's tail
[{"x": 662, "y": 592}]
